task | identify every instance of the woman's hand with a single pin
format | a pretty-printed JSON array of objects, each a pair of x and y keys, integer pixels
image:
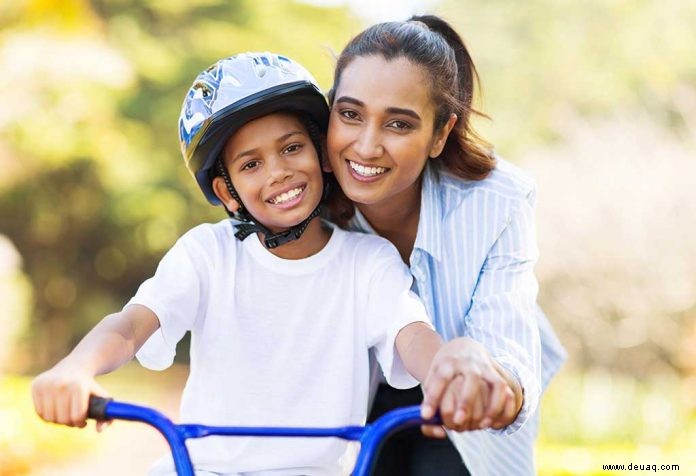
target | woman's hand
[
  {"x": 470, "y": 390},
  {"x": 61, "y": 395}
]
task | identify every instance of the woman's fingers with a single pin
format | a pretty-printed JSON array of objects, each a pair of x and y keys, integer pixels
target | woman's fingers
[
  {"x": 499, "y": 391},
  {"x": 434, "y": 388},
  {"x": 507, "y": 413},
  {"x": 448, "y": 405},
  {"x": 478, "y": 407}
]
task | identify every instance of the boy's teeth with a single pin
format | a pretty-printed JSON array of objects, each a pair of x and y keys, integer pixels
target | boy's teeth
[
  {"x": 366, "y": 171},
  {"x": 285, "y": 196}
]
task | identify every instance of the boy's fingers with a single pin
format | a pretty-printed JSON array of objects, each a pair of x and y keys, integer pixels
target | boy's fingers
[
  {"x": 433, "y": 431},
  {"x": 62, "y": 408},
  {"x": 38, "y": 401},
  {"x": 78, "y": 410},
  {"x": 48, "y": 413}
]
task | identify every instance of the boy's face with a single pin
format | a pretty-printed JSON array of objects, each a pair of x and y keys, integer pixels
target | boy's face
[{"x": 275, "y": 169}]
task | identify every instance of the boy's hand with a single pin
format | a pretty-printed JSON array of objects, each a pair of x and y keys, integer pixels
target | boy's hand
[
  {"x": 61, "y": 395},
  {"x": 469, "y": 388}
]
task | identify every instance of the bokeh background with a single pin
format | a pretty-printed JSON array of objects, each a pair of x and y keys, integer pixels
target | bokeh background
[{"x": 597, "y": 99}]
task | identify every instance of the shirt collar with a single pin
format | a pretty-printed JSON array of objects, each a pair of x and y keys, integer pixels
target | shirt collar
[{"x": 429, "y": 236}]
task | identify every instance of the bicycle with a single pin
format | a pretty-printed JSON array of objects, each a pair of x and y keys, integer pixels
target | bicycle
[{"x": 370, "y": 436}]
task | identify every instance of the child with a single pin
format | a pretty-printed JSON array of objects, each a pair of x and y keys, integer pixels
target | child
[{"x": 282, "y": 307}]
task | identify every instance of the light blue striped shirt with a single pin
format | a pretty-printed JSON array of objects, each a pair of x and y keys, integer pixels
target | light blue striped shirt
[{"x": 473, "y": 263}]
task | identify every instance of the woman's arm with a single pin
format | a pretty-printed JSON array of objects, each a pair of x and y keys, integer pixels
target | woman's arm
[
  {"x": 503, "y": 312},
  {"x": 61, "y": 394}
]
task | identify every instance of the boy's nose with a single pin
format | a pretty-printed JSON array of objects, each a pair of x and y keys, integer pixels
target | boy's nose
[{"x": 279, "y": 170}]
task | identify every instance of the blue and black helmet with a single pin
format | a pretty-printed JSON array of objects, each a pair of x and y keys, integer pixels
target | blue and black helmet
[{"x": 234, "y": 91}]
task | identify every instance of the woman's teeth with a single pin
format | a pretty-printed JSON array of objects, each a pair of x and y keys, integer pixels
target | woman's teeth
[
  {"x": 366, "y": 171},
  {"x": 286, "y": 196}
]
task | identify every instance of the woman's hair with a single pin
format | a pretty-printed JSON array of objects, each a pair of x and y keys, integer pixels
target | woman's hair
[{"x": 431, "y": 43}]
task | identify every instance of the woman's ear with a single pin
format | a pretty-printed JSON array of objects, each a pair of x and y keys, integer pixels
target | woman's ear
[
  {"x": 441, "y": 136},
  {"x": 221, "y": 192}
]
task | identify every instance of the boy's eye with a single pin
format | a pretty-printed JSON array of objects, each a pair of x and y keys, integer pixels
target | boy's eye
[
  {"x": 292, "y": 148},
  {"x": 250, "y": 165},
  {"x": 400, "y": 125}
]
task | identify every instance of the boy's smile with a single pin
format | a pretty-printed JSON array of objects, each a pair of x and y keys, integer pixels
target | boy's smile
[{"x": 275, "y": 169}]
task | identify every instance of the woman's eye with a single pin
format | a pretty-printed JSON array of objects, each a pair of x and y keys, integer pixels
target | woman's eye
[
  {"x": 348, "y": 114},
  {"x": 400, "y": 125}
]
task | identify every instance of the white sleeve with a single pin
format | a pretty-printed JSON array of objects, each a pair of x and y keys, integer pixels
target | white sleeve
[
  {"x": 391, "y": 307},
  {"x": 175, "y": 294}
]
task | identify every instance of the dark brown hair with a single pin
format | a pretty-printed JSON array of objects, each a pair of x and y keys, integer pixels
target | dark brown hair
[{"x": 431, "y": 43}]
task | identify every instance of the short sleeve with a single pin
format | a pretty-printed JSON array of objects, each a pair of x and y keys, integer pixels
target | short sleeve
[
  {"x": 391, "y": 307},
  {"x": 175, "y": 294},
  {"x": 503, "y": 315}
]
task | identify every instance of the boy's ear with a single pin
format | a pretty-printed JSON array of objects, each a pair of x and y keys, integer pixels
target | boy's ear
[
  {"x": 221, "y": 192},
  {"x": 324, "y": 157}
]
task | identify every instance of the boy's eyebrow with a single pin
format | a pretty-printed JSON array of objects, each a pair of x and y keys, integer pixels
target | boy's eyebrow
[
  {"x": 390, "y": 110},
  {"x": 282, "y": 138}
]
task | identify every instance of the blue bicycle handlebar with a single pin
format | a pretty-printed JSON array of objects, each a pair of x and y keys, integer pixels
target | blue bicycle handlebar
[{"x": 369, "y": 436}]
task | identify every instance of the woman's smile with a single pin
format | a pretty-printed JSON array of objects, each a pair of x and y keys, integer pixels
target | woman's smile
[{"x": 366, "y": 173}]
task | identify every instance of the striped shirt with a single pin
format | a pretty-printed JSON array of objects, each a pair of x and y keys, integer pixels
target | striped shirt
[{"x": 472, "y": 264}]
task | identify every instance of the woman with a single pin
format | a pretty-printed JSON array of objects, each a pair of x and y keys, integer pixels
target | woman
[{"x": 402, "y": 149}]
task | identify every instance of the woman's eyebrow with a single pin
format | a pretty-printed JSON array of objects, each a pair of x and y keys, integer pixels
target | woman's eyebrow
[
  {"x": 350, "y": 100},
  {"x": 405, "y": 112},
  {"x": 390, "y": 110}
]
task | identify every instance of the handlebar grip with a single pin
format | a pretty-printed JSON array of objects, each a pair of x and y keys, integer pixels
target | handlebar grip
[{"x": 97, "y": 407}]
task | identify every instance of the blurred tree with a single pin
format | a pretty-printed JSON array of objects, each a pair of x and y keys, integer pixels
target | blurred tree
[{"x": 95, "y": 189}]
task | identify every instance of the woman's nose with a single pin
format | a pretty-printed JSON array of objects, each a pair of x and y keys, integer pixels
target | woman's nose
[{"x": 368, "y": 144}]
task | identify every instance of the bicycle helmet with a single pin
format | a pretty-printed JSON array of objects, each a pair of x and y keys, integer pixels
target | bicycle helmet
[{"x": 229, "y": 94}]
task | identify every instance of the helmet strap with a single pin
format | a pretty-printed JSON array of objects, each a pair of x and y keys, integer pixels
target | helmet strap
[{"x": 250, "y": 225}]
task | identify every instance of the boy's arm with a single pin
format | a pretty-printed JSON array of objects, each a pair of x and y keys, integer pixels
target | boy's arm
[
  {"x": 61, "y": 394},
  {"x": 417, "y": 344}
]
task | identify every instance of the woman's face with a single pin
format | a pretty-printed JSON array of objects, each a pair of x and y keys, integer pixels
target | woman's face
[{"x": 381, "y": 129}]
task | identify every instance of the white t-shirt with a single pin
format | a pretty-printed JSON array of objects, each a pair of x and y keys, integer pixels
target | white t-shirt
[{"x": 277, "y": 342}]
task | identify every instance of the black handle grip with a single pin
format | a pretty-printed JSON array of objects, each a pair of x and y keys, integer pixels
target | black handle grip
[{"x": 97, "y": 406}]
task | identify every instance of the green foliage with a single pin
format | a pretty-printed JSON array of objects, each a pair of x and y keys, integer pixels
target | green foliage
[{"x": 95, "y": 189}]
